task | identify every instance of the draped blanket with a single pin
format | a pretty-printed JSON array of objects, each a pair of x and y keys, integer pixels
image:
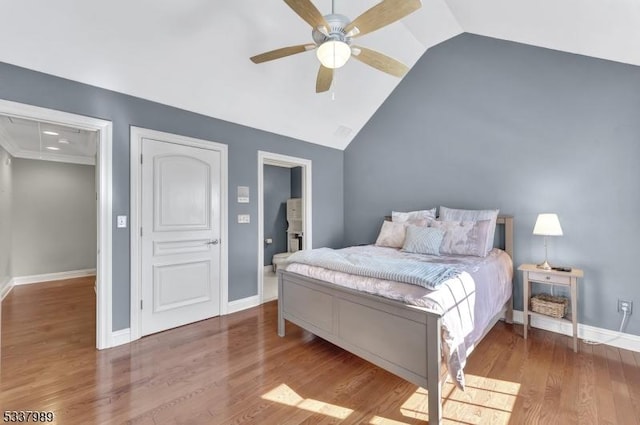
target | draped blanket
[{"x": 424, "y": 274}]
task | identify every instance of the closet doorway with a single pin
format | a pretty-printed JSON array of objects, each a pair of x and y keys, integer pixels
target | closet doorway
[
  {"x": 101, "y": 131},
  {"x": 284, "y": 200}
]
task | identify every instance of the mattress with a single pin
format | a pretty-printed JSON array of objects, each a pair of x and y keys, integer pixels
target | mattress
[{"x": 467, "y": 302}]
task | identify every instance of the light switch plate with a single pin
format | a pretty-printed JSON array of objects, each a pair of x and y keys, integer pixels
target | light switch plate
[
  {"x": 122, "y": 221},
  {"x": 244, "y": 218},
  {"x": 243, "y": 194}
]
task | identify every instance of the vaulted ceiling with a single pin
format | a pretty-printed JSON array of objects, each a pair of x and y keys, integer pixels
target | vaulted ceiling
[{"x": 194, "y": 54}]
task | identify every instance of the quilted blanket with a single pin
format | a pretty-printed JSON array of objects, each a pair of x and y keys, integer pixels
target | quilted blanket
[{"x": 424, "y": 274}]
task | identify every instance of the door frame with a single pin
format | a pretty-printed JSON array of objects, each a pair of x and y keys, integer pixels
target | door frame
[
  {"x": 279, "y": 160},
  {"x": 104, "y": 290},
  {"x": 137, "y": 134}
]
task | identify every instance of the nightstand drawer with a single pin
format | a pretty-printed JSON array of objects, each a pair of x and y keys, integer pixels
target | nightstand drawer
[{"x": 551, "y": 278}]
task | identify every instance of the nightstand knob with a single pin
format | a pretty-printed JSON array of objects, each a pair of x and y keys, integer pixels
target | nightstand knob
[{"x": 548, "y": 277}]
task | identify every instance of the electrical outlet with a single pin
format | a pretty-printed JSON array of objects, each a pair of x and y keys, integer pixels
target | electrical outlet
[
  {"x": 627, "y": 305},
  {"x": 122, "y": 222}
]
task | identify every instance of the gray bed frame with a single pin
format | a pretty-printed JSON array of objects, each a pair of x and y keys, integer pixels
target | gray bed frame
[{"x": 402, "y": 339}]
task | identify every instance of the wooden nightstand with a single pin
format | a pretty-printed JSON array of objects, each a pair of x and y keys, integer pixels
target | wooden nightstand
[{"x": 531, "y": 273}]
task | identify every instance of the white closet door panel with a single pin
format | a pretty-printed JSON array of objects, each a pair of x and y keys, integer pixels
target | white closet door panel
[
  {"x": 183, "y": 192},
  {"x": 180, "y": 235}
]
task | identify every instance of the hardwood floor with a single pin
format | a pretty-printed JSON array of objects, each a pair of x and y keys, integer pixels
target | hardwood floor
[{"x": 236, "y": 370}]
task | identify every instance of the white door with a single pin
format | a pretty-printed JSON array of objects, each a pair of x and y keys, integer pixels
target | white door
[{"x": 180, "y": 244}]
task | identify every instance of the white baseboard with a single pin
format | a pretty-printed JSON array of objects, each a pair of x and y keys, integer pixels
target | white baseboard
[
  {"x": 121, "y": 337},
  {"x": 5, "y": 288},
  {"x": 47, "y": 277},
  {"x": 586, "y": 332},
  {"x": 243, "y": 304}
]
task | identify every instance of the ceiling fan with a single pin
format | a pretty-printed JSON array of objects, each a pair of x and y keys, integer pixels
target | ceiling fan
[{"x": 332, "y": 35}]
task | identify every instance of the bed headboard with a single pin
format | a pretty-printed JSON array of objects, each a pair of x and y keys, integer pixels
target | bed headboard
[
  {"x": 507, "y": 222},
  {"x": 504, "y": 220}
]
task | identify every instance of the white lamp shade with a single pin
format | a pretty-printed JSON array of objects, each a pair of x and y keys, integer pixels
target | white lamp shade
[
  {"x": 333, "y": 53},
  {"x": 547, "y": 225}
]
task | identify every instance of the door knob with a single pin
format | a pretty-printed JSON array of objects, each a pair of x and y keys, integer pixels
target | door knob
[{"x": 212, "y": 242}]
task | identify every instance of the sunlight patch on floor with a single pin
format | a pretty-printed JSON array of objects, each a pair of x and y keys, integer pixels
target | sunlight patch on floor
[
  {"x": 487, "y": 393},
  {"x": 283, "y": 394},
  {"x": 379, "y": 420},
  {"x": 484, "y": 401},
  {"x": 416, "y": 406}
]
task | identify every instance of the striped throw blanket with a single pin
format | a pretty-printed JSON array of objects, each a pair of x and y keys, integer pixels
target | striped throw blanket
[{"x": 427, "y": 275}]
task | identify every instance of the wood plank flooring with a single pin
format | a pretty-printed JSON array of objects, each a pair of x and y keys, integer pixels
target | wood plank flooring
[{"x": 236, "y": 370}]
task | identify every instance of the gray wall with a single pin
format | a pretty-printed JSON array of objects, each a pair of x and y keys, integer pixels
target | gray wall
[
  {"x": 22, "y": 85},
  {"x": 277, "y": 189},
  {"x": 6, "y": 167},
  {"x": 479, "y": 123},
  {"x": 296, "y": 182},
  {"x": 54, "y": 217}
]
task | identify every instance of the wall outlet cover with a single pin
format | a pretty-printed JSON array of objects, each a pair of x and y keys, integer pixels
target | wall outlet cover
[
  {"x": 122, "y": 221},
  {"x": 628, "y": 305}
]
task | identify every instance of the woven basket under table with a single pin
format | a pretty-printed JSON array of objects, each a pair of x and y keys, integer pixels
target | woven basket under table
[{"x": 549, "y": 305}]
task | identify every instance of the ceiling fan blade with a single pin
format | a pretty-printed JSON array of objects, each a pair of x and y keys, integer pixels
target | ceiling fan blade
[
  {"x": 281, "y": 53},
  {"x": 381, "y": 15},
  {"x": 379, "y": 61},
  {"x": 325, "y": 78},
  {"x": 307, "y": 11}
]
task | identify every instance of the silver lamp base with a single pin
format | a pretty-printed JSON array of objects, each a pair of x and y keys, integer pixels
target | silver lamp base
[{"x": 544, "y": 266}]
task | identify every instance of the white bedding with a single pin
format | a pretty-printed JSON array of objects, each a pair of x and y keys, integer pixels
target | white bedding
[{"x": 467, "y": 302}]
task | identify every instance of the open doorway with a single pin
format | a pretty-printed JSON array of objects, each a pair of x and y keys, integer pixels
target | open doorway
[
  {"x": 284, "y": 215},
  {"x": 51, "y": 202},
  {"x": 99, "y": 131}
]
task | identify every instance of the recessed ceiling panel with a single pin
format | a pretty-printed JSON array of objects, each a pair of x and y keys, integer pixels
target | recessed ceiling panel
[{"x": 38, "y": 140}]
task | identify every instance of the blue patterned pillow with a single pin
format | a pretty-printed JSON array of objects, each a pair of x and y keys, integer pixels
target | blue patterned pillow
[{"x": 423, "y": 240}]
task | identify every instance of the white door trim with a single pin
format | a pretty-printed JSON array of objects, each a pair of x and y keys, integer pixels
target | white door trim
[
  {"x": 104, "y": 307},
  {"x": 137, "y": 134},
  {"x": 268, "y": 158}
]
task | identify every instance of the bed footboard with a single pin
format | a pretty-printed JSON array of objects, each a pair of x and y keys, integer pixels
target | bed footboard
[{"x": 401, "y": 339}]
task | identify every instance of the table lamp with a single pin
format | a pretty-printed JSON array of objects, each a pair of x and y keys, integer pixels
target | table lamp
[{"x": 547, "y": 225}]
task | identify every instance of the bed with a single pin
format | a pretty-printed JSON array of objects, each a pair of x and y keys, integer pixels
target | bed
[{"x": 401, "y": 338}]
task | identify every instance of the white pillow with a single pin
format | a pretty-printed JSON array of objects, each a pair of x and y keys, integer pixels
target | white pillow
[
  {"x": 391, "y": 234},
  {"x": 453, "y": 214},
  {"x": 411, "y": 216}
]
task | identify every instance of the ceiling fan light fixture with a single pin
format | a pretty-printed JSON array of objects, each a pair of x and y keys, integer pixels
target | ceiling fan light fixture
[
  {"x": 333, "y": 53},
  {"x": 332, "y": 35}
]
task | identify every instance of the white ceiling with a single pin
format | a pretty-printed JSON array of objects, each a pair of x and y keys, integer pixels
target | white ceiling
[
  {"x": 194, "y": 54},
  {"x": 24, "y": 138}
]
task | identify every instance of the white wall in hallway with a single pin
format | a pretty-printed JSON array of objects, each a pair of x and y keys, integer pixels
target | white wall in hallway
[{"x": 54, "y": 217}]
